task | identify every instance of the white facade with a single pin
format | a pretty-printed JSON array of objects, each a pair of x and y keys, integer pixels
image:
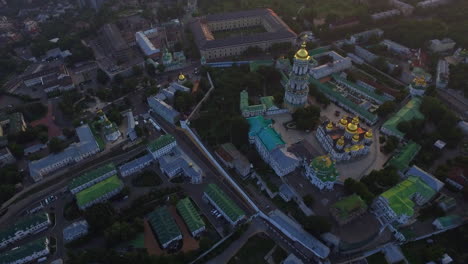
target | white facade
[
  {"x": 339, "y": 64},
  {"x": 386, "y": 215},
  {"x": 145, "y": 44},
  {"x": 34, "y": 255},
  {"x": 443, "y": 45},
  {"x": 6, "y": 157},
  {"x": 102, "y": 198},
  {"x": 443, "y": 74},
  {"x": 163, "y": 151},
  {"x": 135, "y": 166},
  {"x": 328, "y": 145},
  {"x": 93, "y": 182},
  {"x": 30, "y": 230},
  {"x": 396, "y": 48},
  {"x": 297, "y": 88},
  {"x": 225, "y": 216},
  {"x": 75, "y": 231},
  {"x": 311, "y": 174}
]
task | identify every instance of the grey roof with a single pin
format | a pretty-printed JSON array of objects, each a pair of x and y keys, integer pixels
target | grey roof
[
  {"x": 163, "y": 109},
  {"x": 77, "y": 228},
  {"x": 113, "y": 37},
  {"x": 204, "y": 40},
  {"x": 34, "y": 148},
  {"x": 426, "y": 177},
  {"x": 299, "y": 234},
  {"x": 283, "y": 157},
  {"x": 175, "y": 161},
  {"x": 286, "y": 191},
  {"x": 136, "y": 162},
  {"x": 179, "y": 87}
]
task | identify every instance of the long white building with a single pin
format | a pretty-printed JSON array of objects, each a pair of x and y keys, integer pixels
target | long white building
[
  {"x": 24, "y": 227},
  {"x": 26, "y": 253}
]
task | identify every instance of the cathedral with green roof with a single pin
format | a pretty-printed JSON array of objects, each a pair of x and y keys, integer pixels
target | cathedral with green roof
[{"x": 321, "y": 172}]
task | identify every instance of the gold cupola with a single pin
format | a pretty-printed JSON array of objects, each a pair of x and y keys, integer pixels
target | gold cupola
[
  {"x": 340, "y": 141},
  {"x": 344, "y": 121},
  {"x": 356, "y": 138},
  {"x": 368, "y": 134},
  {"x": 302, "y": 53},
  {"x": 329, "y": 126}
]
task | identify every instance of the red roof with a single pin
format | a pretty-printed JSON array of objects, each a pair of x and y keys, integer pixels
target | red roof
[{"x": 458, "y": 175}]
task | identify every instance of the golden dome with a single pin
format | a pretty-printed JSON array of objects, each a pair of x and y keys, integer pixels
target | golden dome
[
  {"x": 356, "y": 138},
  {"x": 355, "y": 120},
  {"x": 355, "y": 148},
  {"x": 302, "y": 53},
  {"x": 181, "y": 77},
  {"x": 340, "y": 141},
  {"x": 347, "y": 150},
  {"x": 344, "y": 121},
  {"x": 352, "y": 128},
  {"x": 369, "y": 134},
  {"x": 361, "y": 146},
  {"x": 329, "y": 126}
]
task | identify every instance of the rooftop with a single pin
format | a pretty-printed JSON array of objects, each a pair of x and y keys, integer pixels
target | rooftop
[
  {"x": 426, "y": 177},
  {"x": 190, "y": 215},
  {"x": 160, "y": 142},
  {"x": 163, "y": 225},
  {"x": 409, "y": 112},
  {"x": 259, "y": 126},
  {"x": 91, "y": 175},
  {"x": 403, "y": 157},
  {"x": 324, "y": 168},
  {"x": 224, "y": 202},
  {"x": 400, "y": 198},
  {"x": 23, "y": 224},
  {"x": 24, "y": 250},
  {"x": 98, "y": 190}
]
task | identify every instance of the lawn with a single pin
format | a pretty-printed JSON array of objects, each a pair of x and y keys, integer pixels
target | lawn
[
  {"x": 238, "y": 31},
  {"x": 147, "y": 178},
  {"x": 377, "y": 258},
  {"x": 254, "y": 251}
]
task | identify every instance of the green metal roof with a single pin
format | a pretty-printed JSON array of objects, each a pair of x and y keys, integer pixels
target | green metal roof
[
  {"x": 317, "y": 51},
  {"x": 449, "y": 220},
  {"x": 160, "y": 142},
  {"x": 259, "y": 126},
  {"x": 91, "y": 175},
  {"x": 324, "y": 168},
  {"x": 23, "y": 224},
  {"x": 163, "y": 225},
  {"x": 402, "y": 159},
  {"x": 370, "y": 93},
  {"x": 348, "y": 205},
  {"x": 190, "y": 215},
  {"x": 268, "y": 101},
  {"x": 244, "y": 100},
  {"x": 98, "y": 190},
  {"x": 409, "y": 112},
  {"x": 257, "y": 123},
  {"x": 400, "y": 197},
  {"x": 225, "y": 203},
  {"x": 256, "y": 64},
  {"x": 329, "y": 90},
  {"x": 24, "y": 250}
]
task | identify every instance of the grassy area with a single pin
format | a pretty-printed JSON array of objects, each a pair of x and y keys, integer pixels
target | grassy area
[
  {"x": 341, "y": 8},
  {"x": 238, "y": 31},
  {"x": 254, "y": 251},
  {"x": 279, "y": 255},
  {"x": 147, "y": 179},
  {"x": 378, "y": 258},
  {"x": 98, "y": 137}
]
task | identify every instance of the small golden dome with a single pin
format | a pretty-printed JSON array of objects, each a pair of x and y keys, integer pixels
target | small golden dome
[
  {"x": 361, "y": 146},
  {"x": 352, "y": 128},
  {"x": 355, "y": 148},
  {"x": 369, "y": 134},
  {"x": 302, "y": 53},
  {"x": 355, "y": 120},
  {"x": 344, "y": 121},
  {"x": 347, "y": 150},
  {"x": 329, "y": 126},
  {"x": 181, "y": 77},
  {"x": 356, "y": 138},
  {"x": 341, "y": 141}
]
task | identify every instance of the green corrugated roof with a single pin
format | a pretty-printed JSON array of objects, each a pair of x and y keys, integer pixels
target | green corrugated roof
[
  {"x": 268, "y": 101},
  {"x": 244, "y": 100},
  {"x": 160, "y": 142},
  {"x": 328, "y": 89},
  {"x": 449, "y": 220},
  {"x": 409, "y": 112},
  {"x": 23, "y": 224},
  {"x": 163, "y": 225},
  {"x": 94, "y": 192},
  {"x": 24, "y": 250},
  {"x": 370, "y": 93},
  {"x": 257, "y": 123},
  {"x": 400, "y": 197},
  {"x": 317, "y": 51},
  {"x": 348, "y": 205},
  {"x": 259, "y": 126},
  {"x": 190, "y": 214},
  {"x": 255, "y": 65},
  {"x": 91, "y": 175},
  {"x": 225, "y": 203},
  {"x": 402, "y": 159},
  {"x": 324, "y": 168}
]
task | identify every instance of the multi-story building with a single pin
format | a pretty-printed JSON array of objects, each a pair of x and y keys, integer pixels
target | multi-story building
[
  {"x": 230, "y": 211},
  {"x": 86, "y": 147},
  {"x": 271, "y": 146},
  {"x": 431, "y": 3},
  {"x": 321, "y": 172},
  {"x": 191, "y": 216},
  {"x": 338, "y": 64},
  {"x": 405, "y": 8},
  {"x": 396, "y": 48},
  {"x": 113, "y": 43},
  {"x": 147, "y": 47},
  {"x": 12, "y": 124},
  {"x": 164, "y": 110},
  {"x": 109, "y": 129},
  {"x": 164, "y": 226},
  {"x": 443, "y": 45},
  {"x": 403, "y": 157},
  {"x": 100, "y": 192},
  {"x": 418, "y": 86},
  {"x": 297, "y": 89},
  {"x": 232, "y": 158},
  {"x": 386, "y": 14},
  {"x": 175, "y": 164},
  {"x": 161, "y": 146},
  {"x": 24, "y": 227},
  {"x": 274, "y": 30},
  {"x": 409, "y": 112},
  {"x": 365, "y": 36},
  {"x": 75, "y": 231},
  {"x": 136, "y": 165},
  {"x": 27, "y": 253},
  {"x": 6, "y": 157},
  {"x": 345, "y": 140},
  {"x": 443, "y": 74},
  {"x": 92, "y": 177}
]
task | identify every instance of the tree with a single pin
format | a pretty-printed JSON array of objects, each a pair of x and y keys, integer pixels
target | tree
[
  {"x": 317, "y": 224},
  {"x": 150, "y": 69},
  {"x": 56, "y": 145},
  {"x": 318, "y": 95},
  {"x": 100, "y": 216},
  {"x": 102, "y": 77},
  {"x": 161, "y": 67},
  {"x": 6, "y": 192},
  {"x": 307, "y": 118},
  {"x": 386, "y": 108},
  {"x": 183, "y": 101},
  {"x": 308, "y": 200},
  {"x": 381, "y": 64},
  {"x": 119, "y": 232},
  {"x": 137, "y": 70},
  {"x": 391, "y": 144}
]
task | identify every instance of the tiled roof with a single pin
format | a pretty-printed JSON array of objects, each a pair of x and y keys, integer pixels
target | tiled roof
[
  {"x": 24, "y": 251},
  {"x": 91, "y": 175},
  {"x": 402, "y": 159},
  {"x": 225, "y": 203},
  {"x": 163, "y": 225},
  {"x": 190, "y": 215},
  {"x": 23, "y": 224},
  {"x": 98, "y": 190},
  {"x": 160, "y": 142},
  {"x": 409, "y": 112},
  {"x": 400, "y": 197}
]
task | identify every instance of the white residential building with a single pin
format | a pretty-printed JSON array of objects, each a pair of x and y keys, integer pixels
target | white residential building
[
  {"x": 164, "y": 110},
  {"x": 6, "y": 157},
  {"x": 24, "y": 227},
  {"x": 161, "y": 146},
  {"x": 92, "y": 177},
  {"x": 26, "y": 253},
  {"x": 136, "y": 165},
  {"x": 339, "y": 64},
  {"x": 365, "y": 36},
  {"x": 396, "y": 48},
  {"x": 75, "y": 230},
  {"x": 443, "y": 74},
  {"x": 443, "y": 45},
  {"x": 386, "y": 14},
  {"x": 145, "y": 44}
]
